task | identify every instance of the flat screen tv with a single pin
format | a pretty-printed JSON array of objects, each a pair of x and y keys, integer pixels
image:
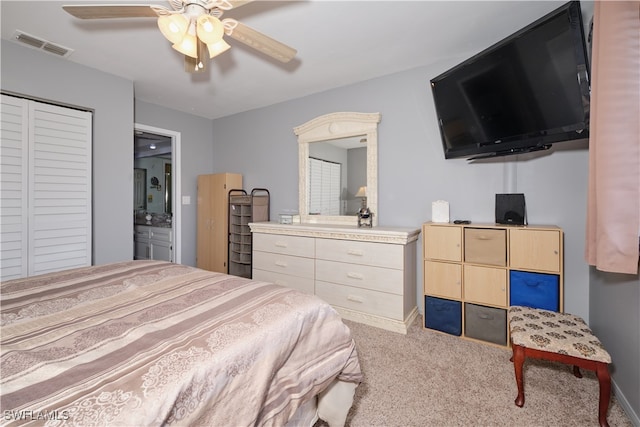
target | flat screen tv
[{"x": 520, "y": 95}]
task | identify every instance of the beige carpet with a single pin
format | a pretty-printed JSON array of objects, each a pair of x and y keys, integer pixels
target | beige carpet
[{"x": 426, "y": 378}]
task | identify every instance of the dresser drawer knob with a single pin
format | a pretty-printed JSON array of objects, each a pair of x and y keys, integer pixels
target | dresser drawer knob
[
  {"x": 354, "y": 252},
  {"x": 354, "y": 298},
  {"x": 281, "y": 244},
  {"x": 355, "y": 276},
  {"x": 281, "y": 264}
]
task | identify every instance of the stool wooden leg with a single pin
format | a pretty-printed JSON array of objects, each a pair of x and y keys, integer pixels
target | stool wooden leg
[
  {"x": 576, "y": 371},
  {"x": 604, "y": 379},
  {"x": 518, "y": 362}
]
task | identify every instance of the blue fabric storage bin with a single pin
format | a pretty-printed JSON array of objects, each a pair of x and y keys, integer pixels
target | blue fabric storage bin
[
  {"x": 443, "y": 315},
  {"x": 535, "y": 290}
]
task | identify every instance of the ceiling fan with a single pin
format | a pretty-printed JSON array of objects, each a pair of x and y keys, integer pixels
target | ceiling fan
[{"x": 193, "y": 27}]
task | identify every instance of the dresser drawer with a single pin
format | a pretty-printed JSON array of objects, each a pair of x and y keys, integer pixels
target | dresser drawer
[
  {"x": 485, "y": 246},
  {"x": 160, "y": 234},
  {"x": 363, "y": 300},
  {"x": 303, "y": 284},
  {"x": 288, "y": 245},
  {"x": 361, "y": 276},
  {"x": 365, "y": 253},
  {"x": 286, "y": 264},
  {"x": 141, "y": 233},
  {"x": 485, "y": 285}
]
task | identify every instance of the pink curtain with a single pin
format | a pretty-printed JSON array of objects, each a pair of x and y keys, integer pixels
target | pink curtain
[{"x": 613, "y": 216}]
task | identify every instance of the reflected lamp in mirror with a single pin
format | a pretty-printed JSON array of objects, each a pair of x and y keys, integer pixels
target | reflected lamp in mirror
[
  {"x": 362, "y": 194},
  {"x": 365, "y": 216}
]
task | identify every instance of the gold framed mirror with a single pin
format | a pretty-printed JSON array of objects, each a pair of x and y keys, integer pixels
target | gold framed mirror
[{"x": 348, "y": 131}]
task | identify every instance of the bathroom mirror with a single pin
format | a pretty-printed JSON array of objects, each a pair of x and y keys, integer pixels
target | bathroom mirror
[{"x": 355, "y": 133}]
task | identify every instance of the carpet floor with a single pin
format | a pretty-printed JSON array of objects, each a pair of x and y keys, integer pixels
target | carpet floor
[{"x": 426, "y": 378}]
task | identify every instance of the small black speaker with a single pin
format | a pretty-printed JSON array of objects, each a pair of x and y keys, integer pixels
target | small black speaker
[{"x": 510, "y": 209}]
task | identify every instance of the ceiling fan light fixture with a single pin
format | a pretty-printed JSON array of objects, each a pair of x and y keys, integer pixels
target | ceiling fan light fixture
[
  {"x": 210, "y": 29},
  {"x": 216, "y": 49},
  {"x": 173, "y": 27},
  {"x": 199, "y": 63},
  {"x": 187, "y": 46}
]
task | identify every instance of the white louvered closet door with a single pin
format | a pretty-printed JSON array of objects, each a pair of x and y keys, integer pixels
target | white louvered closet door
[
  {"x": 57, "y": 188},
  {"x": 324, "y": 187},
  {"x": 14, "y": 171}
]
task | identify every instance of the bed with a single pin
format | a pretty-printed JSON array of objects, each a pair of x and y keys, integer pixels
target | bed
[{"x": 154, "y": 343}]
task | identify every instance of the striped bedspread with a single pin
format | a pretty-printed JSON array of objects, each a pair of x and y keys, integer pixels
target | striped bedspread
[{"x": 154, "y": 343}]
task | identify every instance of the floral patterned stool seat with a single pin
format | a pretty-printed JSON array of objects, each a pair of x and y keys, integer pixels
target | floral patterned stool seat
[{"x": 558, "y": 337}]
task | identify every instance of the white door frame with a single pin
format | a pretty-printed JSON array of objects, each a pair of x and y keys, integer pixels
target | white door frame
[{"x": 176, "y": 206}]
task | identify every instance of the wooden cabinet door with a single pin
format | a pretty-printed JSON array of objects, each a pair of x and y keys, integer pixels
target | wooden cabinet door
[
  {"x": 442, "y": 242},
  {"x": 443, "y": 279},
  {"x": 161, "y": 251},
  {"x": 535, "y": 249},
  {"x": 485, "y": 285},
  {"x": 142, "y": 250},
  {"x": 212, "y": 220}
]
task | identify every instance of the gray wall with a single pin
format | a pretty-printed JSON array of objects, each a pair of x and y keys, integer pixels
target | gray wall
[
  {"x": 47, "y": 77},
  {"x": 412, "y": 171},
  {"x": 196, "y": 134},
  {"x": 615, "y": 319}
]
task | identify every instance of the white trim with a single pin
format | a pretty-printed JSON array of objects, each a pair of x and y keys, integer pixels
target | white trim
[
  {"x": 624, "y": 403},
  {"x": 176, "y": 183}
]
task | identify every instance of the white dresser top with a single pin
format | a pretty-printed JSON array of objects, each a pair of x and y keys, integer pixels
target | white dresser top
[{"x": 395, "y": 235}]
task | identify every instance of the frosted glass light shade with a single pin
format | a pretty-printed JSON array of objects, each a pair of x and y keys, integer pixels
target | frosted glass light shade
[
  {"x": 187, "y": 46},
  {"x": 217, "y": 48},
  {"x": 209, "y": 29},
  {"x": 173, "y": 27}
]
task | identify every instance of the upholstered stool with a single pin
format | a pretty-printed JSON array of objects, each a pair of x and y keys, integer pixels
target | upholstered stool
[{"x": 558, "y": 337}]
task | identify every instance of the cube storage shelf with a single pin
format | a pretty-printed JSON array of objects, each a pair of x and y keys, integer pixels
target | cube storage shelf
[{"x": 474, "y": 273}]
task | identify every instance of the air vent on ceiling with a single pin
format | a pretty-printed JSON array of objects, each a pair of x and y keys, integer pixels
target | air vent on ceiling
[{"x": 41, "y": 44}]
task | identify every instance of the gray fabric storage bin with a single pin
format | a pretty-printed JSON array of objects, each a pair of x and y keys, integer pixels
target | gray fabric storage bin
[{"x": 485, "y": 323}]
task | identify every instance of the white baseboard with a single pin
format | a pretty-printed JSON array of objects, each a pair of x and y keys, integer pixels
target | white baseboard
[
  {"x": 378, "y": 321},
  {"x": 622, "y": 400}
]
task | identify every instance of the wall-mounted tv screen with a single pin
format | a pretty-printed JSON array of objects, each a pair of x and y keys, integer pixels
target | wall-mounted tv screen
[{"x": 520, "y": 95}]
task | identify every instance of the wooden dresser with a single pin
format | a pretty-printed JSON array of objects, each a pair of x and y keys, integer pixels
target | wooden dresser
[{"x": 367, "y": 274}]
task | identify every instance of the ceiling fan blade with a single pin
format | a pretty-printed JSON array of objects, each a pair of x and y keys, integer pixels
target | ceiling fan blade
[
  {"x": 237, "y": 3},
  {"x": 102, "y": 11},
  {"x": 259, "y": 41}
]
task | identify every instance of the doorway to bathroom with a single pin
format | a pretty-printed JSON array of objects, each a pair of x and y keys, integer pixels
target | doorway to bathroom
[{"x": 156, "y": 188}]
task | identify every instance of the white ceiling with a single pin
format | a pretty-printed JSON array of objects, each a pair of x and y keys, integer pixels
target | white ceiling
[{"x": 338, "y": 43}]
